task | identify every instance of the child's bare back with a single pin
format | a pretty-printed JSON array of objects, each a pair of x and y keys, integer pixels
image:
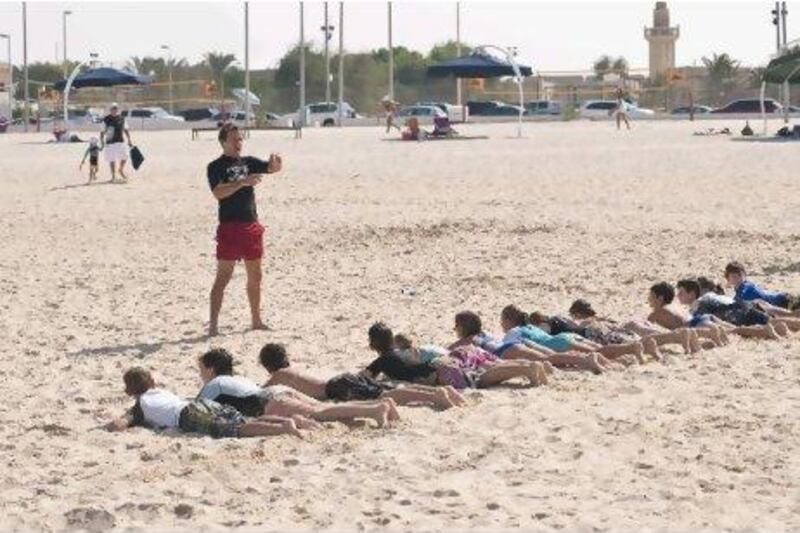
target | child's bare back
[{"x": 299, "y": 381}]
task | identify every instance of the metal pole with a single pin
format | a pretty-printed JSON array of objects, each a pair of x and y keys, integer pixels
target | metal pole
[
  {"x": 26, "y": 109},
  {"x": 64, "y": 40},
  {"x": 778, "y": 26},
  {"x": 302, "y": 68},
  {"x": 10, "y": 78},
  {"x": 326, "y": 33},
  {"x": 247, "y": 105},
  {"x": 458, "y": 50},
  {"x": 784, "y": 12},
  {"x": 341, "y": 61},
  {"x": 169, "y": 65},
  {"x": 391, "y": 57}
]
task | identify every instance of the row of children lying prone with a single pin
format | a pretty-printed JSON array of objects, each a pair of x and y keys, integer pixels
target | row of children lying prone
[{"x": 532, "y": 346}]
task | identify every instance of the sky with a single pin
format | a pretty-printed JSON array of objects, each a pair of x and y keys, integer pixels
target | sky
[{"x": 550, "y": 36}]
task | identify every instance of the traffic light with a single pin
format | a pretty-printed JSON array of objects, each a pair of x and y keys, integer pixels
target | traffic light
[{"x": 775, "y": 15}]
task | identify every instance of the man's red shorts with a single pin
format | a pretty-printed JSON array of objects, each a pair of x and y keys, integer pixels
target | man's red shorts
[{"x": 240, "y": 240}]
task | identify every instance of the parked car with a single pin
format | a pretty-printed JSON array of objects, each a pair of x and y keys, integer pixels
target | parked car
[
  {"x": 453, "y": 112},
  {"x": 323, "y": 113},
  {"x": 794, "y": 109},
  {"x": 686, "y": 110},
  {"x": 428, "y": 111},
  {"x": 492, "y": 109},
  {"x": 543, "y": 107},
  {"x": 750, "y": 105},
  {"x": 150, "y": 116},
  {"x": 234, "y": 116},
  {"x": 198, "y": 113},
  {"x": 603, "y": 109}
]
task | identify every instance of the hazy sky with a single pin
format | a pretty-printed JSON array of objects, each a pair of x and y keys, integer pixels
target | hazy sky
[{"x": 550, "y": 36}]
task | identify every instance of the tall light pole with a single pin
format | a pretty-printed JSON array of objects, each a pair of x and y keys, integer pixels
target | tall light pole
[
  {"x": 327, "y": 32},
  {"x": 341, "y": 62},
  {"x": 458, "y": 50},
  {"x": 784, "y": 12},
  {"x": 64, "y": 43},
  {"x": 247, "y": 105},
  {"x": 169, "y": 66},
  {"x": 776, "y": 20},
  {"x": 391, "y": 56},
  {"x": 10, "y": 89},
  {"x": 302, "y": 112},
  {"x": 26, "y": 111}
]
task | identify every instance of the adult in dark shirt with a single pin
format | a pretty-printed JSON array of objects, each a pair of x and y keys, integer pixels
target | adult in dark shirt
[
  {"x": 232, "y": 179},
  {"x": 112, "y": 141}
]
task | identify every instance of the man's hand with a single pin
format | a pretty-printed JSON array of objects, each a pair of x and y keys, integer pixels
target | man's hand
[
  {"x": 251, "y": 180},
  {"x": 275, "y": 163}
]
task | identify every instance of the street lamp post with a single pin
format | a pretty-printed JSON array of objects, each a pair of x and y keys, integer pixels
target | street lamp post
[
  {"x": 302, "y": 116},
  {"x": 64, "y": 44},
  {"x": 247, "y": 105},
  {"x": 458, "y": 50},
  {"x": 26, "y": 111},
  {"x": 10, "y": 88},
  {"x": 169, "y": 65},
  {"x": 341, "y": 62},
  {"x": 327, "y": 32},
  {"x": 391, "y": 55}
]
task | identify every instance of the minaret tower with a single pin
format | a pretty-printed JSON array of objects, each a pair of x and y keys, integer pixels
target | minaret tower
[{"x": 662, "y": 39}]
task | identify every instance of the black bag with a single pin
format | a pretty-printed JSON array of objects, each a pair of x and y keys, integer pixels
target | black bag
[
  {"x": 136, "y": 157},
  {"x": 347, "y": 387}
]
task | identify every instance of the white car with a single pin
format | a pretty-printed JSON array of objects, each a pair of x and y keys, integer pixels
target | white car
[
  {"x": 428, "y": 111},
  {"x": 322, "y": 114},
  {"x": 604, "y": 109},
  {"x": 150, "y": 117}
]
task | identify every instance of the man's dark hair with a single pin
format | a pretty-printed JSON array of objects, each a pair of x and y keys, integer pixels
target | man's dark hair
[
  {"x": 380, "y": 337},
  {"x": 664, "y": 291},
  {"x": 706, "y": 285},
  {"x": 690, "y": 286},
  {"x": 582, "y": 307},
  {"x": 515, "y": 315},
  {"x": 735, "y": 267},
  {"x": 469, "y": 323},
  {"x": 138, "y": 381},
  {"x": 273, "y": 357},
  {"x": 219, "y": 360},
  {"x": 226, "y": 130}
]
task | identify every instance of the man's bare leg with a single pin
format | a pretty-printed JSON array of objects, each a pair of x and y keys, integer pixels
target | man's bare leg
[
  {"x": 253, "y": 269},
  {"x": 224, "y": 273},
  {"x": 122, "y": 169},
  {"x": 113, "y": 167}
]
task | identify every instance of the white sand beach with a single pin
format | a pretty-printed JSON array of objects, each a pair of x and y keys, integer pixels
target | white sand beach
[{"x": 97, "y": 279}]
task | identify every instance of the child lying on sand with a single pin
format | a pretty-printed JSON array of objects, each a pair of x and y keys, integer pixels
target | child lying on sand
[
  {"x": 159, "y": 408},
  {"x": 778, "y": 304},
  {"x": 660, "y": 297},
  {"x": 216, "y": 371},
  {"x": 346, "y": 387}
]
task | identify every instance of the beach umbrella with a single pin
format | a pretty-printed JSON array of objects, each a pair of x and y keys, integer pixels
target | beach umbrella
[
  {"x": 104, "y": 77},
  {"x": 481, "y": 64}
]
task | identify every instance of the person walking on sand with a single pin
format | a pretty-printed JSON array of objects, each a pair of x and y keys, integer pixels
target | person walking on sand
[
  {"x": 621, "y": 111},
  {"x": 390, "y": 108},
  {"x": 232, "y": 179},
  {"x": 112, "y": 141}
]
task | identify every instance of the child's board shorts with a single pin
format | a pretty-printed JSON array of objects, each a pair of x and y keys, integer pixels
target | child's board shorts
[
  {"x": 211, "y": 418},
  {"x": 348, "y": 387}
]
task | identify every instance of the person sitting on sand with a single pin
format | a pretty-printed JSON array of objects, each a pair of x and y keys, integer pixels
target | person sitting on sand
[
  {"x": 517, "y": 327},
  {"x": 442, "y": 127},
  {"x": 459, "y": 369},
  {"x": 774, "y": 303},
  {"x": 740, "y": 318},
  {"x": 348, "y": 387},
  {"x": 220, "y": 385},
  {"x": 606, "y": 331},
  {"x": 663, "y": 314},
  {"x": 413, "y": 132},
  {"x": 159, "y": 408},
  {"x": 469, "y": 330}
]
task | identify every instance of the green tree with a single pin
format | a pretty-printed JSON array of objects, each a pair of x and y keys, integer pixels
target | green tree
[
  {"x": 447, "y": 50},
  {"x": 722, "y": 71},
  {"x": 218, "y": 63},
  {"x": 602, "y": 66},
  {"x": 620, "y": 67}
]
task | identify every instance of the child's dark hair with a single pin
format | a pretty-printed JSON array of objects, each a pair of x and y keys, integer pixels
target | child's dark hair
[
  {"x": 582, "y": 307},
  {"x": 536, "y": 318},
  {"x": 226, "y": 130},
  {"x": 273, "y": 357},
  {"x": 706, "y": 285},
  {"x": 381, "y": 338},
  {"x": 515, "y": 315},
  {"x": 138, "y": 381},
  {"x": 664, "y": 291},
  {"x": 403, "y": 342},
  {"x": 469, "y": 323},
  {"x": 735, "y": 267},
  {"x": 690, "y": 286},
  {"x": 219, "y": 360}
]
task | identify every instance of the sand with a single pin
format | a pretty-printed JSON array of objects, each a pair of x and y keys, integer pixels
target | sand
[{"x": 97, "y": 279}]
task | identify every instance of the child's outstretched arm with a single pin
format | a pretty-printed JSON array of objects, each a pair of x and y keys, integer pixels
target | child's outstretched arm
[{"x": 85, "y": 155}]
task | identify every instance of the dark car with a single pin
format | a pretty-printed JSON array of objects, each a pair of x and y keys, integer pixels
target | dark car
[
  {"x": 686, "y": 110},
  {"x": 750, "y": 105},
  {"x": 200, "y": 113},
  {"x": 481, "y": 108}
]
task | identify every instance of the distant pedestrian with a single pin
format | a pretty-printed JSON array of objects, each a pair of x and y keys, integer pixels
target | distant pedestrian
[{"x": 113, "y": 141}]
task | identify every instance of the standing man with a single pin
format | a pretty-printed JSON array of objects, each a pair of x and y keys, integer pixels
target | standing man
[
  {"x": 112, "y": 142},
  {"x": 239, "y": 234}
]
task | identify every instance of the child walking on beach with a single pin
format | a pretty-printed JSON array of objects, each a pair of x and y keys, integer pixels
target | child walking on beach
[
  {"x": 93, "y": 153},
  {"x": 158, "y": 408}
]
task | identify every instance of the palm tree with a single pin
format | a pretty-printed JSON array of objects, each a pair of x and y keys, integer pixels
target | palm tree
[
  {"x": 620, "y": 67},
  {"x": 147, "y": 65},
  {"x": 219, "y": 63},
  {"x": 602, "y": 66},
  {"x": 755, "y": 76},
  {"x": 722, "y": 70}
]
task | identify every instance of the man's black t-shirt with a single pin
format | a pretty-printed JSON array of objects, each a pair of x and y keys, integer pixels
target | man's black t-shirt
[
  {"x": 114, "y": 127},
  {"x": 394, "y": 367},
  {"x": 241, "y": 205}
]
